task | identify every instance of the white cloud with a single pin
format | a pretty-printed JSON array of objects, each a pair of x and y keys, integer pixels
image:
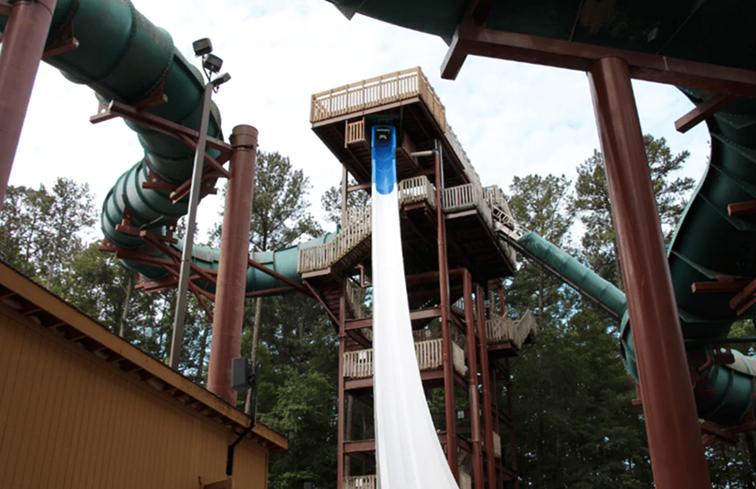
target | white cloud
[{"x": 511, "y": 118}]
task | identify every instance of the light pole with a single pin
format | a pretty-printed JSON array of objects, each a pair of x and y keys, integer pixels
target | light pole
[{"x": 211, "y": 65}]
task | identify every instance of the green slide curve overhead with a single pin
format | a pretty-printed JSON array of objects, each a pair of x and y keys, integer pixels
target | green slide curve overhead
[
  {"x": 707, "y": 242},
  {"x": 124, "y": 57}
]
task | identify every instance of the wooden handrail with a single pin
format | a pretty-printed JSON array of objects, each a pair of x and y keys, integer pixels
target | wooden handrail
[
  {"x": 501, "y": 329},
  {"x": 377, "y": 91},
  {"x": 359, "y": 364}
]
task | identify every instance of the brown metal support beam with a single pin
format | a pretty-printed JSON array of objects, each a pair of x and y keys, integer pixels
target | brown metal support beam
[
  {"x": 298, "y": 287},
  {"x": 232, "y": 268},
  {"x": 739, "y": 209},
  {"x": 674, "y": 437},
  {"x": 428, "y": 313},
  {"x": 472, "y": 40},
  {"x": 443, "y": 283},
  {"x": 485, "y": 381},
  {"x": 23, "y": 45},
  {"x": 703, "y": 111},
  {"x": 718, "y": 287},
  {"x": 118, "y": 109},
  {"x": 342, "y": 337},
  {"x": 472, "y": 380}
]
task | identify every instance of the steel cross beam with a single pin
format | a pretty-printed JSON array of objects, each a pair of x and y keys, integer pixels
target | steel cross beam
[{"x": 472, "y": 40}]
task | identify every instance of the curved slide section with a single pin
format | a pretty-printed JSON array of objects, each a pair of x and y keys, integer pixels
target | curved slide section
[
  {"x": 124, "y": 57},
  {"x": 735, "y": 384}
]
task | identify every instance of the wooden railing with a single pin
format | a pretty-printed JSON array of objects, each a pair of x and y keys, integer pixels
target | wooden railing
[
  {"x": 324, "y": 255},
  {"x": 355, "y": 132},
  {"x": 501, "y": 329},
  {"x": 359, "y": 227},
  {"x": 467, "y": 167},
  {"x": 361, "y": 482},
  {"x": 359, "y": 364},
  {"x": 377, "y": 91},
  {"x": 417, "y": 189}
]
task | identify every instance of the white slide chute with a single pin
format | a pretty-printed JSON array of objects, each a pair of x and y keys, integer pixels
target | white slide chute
[{"x": 408, "y": 452}]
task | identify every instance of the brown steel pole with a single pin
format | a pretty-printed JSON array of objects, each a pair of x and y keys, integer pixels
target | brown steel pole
[
  {"x": 232, "y": 268},
  {"x": 23, "y": 45},
  {"x": 485, "y": 380},
  {"x": 472, "y": 379},
  {"x": 674, "y": 435},
  {"x": 443, "y": 283},
  {"x": 342, "y": 337},
  {"x": 512, "y": 442}
]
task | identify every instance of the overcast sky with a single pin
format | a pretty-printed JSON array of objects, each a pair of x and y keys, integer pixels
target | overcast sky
[{"x": 511, "y": 118}]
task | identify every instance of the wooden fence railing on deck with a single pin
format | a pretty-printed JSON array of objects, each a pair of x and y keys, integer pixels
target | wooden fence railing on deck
[
  {"x": 361, "y": 482},
  {"x": 500, "y": 329},
  {"x": 359, "y": 227},
  {"x": 322, "y": 256},
  {"x": 377, "y": 91},
  {"x": 355, "y": 132},
  {"x": 359, "y": 364},
  {"x": 417, "y": 189}
]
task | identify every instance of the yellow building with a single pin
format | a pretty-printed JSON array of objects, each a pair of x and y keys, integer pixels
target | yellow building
[{"x": 82, "y": 408}]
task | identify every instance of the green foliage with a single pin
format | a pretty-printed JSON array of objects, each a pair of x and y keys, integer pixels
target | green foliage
[
  {"x": 331, "y": 201},
  {"x": 592, "y": 203},
  {"x": 279, "y": 211}
]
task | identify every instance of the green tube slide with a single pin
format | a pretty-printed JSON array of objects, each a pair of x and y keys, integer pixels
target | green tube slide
[
  {"x": 124, "y": 57},
  {"x": 734, "y": 383}
]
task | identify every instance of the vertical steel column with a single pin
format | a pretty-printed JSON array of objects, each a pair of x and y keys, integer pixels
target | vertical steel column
[
  {"x": 23, "y": 45},
  {"x": 344, "y": 195},
  {"x": 177, "y": 339},
  {"x": 342, "y": 337},
  {"x": 232, "y": 269},
  {"x": 443, "y": 283},
  {"x": 512, "y": 442},
  {"x": 674, "y": 436},
  {"x": 472, "y": 379},
  {"x": 480, "y": 297}
]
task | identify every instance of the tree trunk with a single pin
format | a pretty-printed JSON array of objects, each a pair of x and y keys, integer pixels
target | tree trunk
[
  {"x": 126, "y": 303},
  {"x": 751, "y": 452},
  {"x": 539, "y": 453},
  {"x": 201, "y": 361},
  {"x": 540, "y": 302},
  {"x": 253, "y": 354}
]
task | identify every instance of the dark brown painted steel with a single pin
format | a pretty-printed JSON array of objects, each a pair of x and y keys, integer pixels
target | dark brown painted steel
[
  {"x": 485, "y": 380},
  {"x": 23, "y": 45},
  {"x": 706, "y": 109},
  {"x": 443, "y": 281},
  {"x": 232, "y": 268},
  {"x": 472, "y": 381},
  {"x": 490, "y": 43},
  {"x": 674, "y": 435},
  {"x": 342, "y": 337}
]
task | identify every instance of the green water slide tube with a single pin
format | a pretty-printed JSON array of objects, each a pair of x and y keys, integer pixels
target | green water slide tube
[
  {"x": 124, "y": 57},
  {"x": 733, "y": 383}
]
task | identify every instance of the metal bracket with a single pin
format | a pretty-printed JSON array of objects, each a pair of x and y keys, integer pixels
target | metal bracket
[{"x": 65, "y": 40}]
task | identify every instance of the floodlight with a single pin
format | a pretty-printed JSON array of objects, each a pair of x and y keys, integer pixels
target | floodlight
[
  {"x": 202, "y": 47},
  {"x": 221, "y": 80},
  {"x": 212, "y": 63}
]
